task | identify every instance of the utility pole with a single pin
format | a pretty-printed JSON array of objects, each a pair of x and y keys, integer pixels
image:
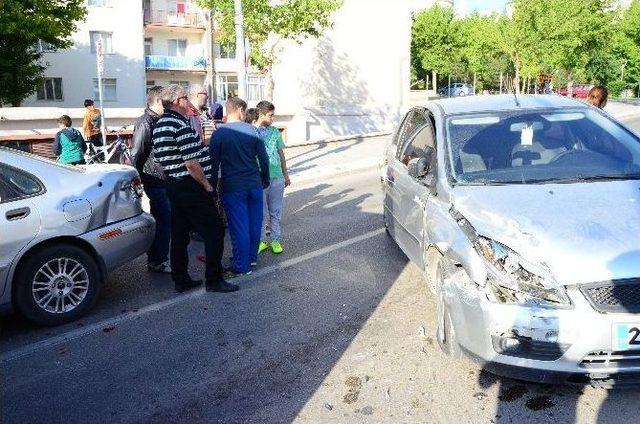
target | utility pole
[
  {"x": 240, "y": 51},
  {"x": 211, "y": 70},
  {"x": 100, "y": 71}
]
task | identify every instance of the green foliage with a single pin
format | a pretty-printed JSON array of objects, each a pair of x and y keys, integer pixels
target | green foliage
[
  {"x": 267, "y": 23},
  {"x": 22, "y": 24},
  {"x": 574, "y": 40}
]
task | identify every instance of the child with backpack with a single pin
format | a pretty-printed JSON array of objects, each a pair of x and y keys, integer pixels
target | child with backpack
[
  {"x": 274, "y": 194},
  {"x": 69, "y": 144}
]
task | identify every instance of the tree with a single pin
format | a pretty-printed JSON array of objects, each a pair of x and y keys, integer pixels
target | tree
[
  {"x": 22, "y": 24},
  {"x": 267, "y": 25},
  {"x": 435, "y": 42}
]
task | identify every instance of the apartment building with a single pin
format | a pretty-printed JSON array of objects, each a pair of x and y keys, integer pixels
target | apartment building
[
  {"x": 71, "y": 74},
  {"x": 353, "y": 79}
]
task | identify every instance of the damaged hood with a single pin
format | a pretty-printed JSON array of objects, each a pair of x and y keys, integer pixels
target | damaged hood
[{"x": 583, "y": 232}]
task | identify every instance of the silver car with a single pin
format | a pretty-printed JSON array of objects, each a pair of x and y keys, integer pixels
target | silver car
[
  {"x": 524, "y": 213},
  {"x": 63, "y": 229},
  {"x": 458, "y": 89}
]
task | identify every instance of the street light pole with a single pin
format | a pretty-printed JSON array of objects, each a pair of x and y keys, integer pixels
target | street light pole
[{"x": 240, "y": 51}]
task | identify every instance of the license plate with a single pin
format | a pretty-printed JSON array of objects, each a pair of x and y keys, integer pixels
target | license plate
[{"x": 626, "y": 336}]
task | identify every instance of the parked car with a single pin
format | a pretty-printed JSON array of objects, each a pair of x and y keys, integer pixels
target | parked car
[
  {"x": 524, "y": 214},
  {"x": 580, "y": 91},
  {"x": 456, "y": 90},
  {"x": 63, "y": 229}
]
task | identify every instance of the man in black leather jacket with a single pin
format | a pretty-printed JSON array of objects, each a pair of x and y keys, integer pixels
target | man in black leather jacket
[{"x": 153, "y": 181}]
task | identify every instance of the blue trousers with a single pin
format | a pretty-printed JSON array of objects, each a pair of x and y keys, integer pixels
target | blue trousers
[
  {"x": 244, "y": 217},
  {"x": 161, "y": 211}
]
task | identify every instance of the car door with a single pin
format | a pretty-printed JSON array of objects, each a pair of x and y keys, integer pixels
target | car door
[
  {"x": 19, "y": 217},
  {"x": 413, "y": 120},
  {"x": 408, "y": 194}
]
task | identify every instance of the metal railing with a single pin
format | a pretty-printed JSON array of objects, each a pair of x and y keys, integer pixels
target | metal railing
[
  {"x": 176, "y": 63},
  {"x": 173, "y": 18}
]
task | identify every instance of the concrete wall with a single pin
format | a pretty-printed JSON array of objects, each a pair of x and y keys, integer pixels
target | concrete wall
[
  {"x": 77, "y": 65},
  {"x": 354, "y": 79}
]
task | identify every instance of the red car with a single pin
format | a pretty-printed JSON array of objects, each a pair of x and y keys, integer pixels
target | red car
[{"x": 579, "y": 90}]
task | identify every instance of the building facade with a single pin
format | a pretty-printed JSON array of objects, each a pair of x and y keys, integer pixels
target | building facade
[{"x": 354, "y": 79}]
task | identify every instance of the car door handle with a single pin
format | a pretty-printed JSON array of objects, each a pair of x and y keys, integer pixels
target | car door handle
[{"x": 15, "y": 214}]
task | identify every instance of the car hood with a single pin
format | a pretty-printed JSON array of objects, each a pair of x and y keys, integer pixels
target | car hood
[{"x": 583, "y": 232}]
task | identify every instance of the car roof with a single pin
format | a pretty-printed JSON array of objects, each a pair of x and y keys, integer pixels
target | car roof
[{"x": 503, "y": 102}]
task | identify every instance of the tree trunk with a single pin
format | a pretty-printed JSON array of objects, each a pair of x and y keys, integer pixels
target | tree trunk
[
  {"x": 269, "y": 84},
  {"x": 434, "y": 80},
  {"x": 516, "y": 80}
]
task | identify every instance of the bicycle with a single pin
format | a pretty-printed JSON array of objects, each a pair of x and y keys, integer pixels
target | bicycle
[{"x": 104, "y": 154}]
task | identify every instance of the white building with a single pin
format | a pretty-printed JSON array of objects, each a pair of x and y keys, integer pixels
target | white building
[{"x": 352, "y": 80}]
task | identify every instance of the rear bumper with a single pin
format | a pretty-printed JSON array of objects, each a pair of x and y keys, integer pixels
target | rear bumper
[{"x": 122, "y": 241}]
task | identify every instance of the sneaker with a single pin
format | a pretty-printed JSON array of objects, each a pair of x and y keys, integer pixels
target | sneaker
[
  {"x": 276, "y": 247},
  {"x": 162, "y": 267},
  {"x": 262, "y": 247},
  {"x": 232, "y": 273},
  {"x": 221, "y": 286},
  {"x": 187, "y": 285},
  {"x": 253, "y": 263}
]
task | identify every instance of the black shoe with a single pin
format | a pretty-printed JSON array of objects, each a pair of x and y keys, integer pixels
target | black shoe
[
  {"x": 230, "y": 273},
  {"x": 221, "y": 286},
  {"x": 187, "y": 285}
]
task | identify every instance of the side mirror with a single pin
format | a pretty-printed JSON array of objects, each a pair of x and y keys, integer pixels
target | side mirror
[{"x": 418, "y": 167}]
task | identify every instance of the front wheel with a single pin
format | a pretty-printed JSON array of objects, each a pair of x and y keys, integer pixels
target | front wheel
[
  {"x": 57, "y": 284},
  {"x": 445, "y": 333}
]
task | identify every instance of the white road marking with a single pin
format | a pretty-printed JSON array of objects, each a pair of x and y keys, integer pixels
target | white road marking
[{"x": 109, "y": 322}]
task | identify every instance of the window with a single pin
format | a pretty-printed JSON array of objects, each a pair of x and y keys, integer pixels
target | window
[
  {"x": 148, "y": 46},
  {"x": 415, "y": 120},
  {"x": 227, "y": 86},
  {"x": 177, "y": 47},
  {"x": 109, "y": 92},
  {"x": 150, "y": 83},
  {"x": 15, "y": 184},
  {"x": 226, "y": 51},
  {"x": 255, "y": 88},
  {"x": 422, "y": 145},
  {"x": 106, "y": 39},
  {"x": 43, "y": 47},
  {"x": 185, "y": 84},
  {"x": 50, "y": 89},
  {"x": 99, "y": 2}
]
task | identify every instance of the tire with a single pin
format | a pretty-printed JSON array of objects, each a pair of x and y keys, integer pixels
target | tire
[
  {"x": 77, "y": 284},
  {"x": 445, "y": 333}
]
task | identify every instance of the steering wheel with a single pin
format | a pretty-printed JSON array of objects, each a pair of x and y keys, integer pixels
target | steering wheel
[{"x": 562, "y": 157}]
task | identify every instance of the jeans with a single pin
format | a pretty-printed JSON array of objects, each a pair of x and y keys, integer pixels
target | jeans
[
  {"x": 244, "y": 216},
  {"x": 273, "y": 200},
  {"x": 193, "y": 208},
  {"x": 161, "y": 211}
]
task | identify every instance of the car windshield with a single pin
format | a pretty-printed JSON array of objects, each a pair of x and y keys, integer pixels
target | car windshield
[{"x": 532, "y": 146}]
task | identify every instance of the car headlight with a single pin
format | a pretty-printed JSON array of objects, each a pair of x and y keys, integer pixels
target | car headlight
[{"x": 515, "y": 280}]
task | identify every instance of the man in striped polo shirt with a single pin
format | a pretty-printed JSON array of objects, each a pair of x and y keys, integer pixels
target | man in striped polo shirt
[{"x": 186, "y": 164}]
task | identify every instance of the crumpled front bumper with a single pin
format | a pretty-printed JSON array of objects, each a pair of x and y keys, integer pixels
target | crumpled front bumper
[{"x": 572, "y": 345}]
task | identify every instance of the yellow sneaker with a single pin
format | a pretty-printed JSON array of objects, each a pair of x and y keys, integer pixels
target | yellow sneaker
[
  {"x": 276, "y": 247},
  {"x": 262, "y": 247}
]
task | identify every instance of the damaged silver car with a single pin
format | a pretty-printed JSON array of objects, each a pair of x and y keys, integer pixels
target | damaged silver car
[
  {"x": 524, "y": 214},
  {"x": 63, "y": 228}
]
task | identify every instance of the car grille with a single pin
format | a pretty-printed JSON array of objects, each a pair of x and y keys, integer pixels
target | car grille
[
  {"x": 607, "y": 359},
  {"x": 622, "y": 296}
]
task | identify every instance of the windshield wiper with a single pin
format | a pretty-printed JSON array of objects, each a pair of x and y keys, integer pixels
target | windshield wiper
[{"x": 589, "y": 178}]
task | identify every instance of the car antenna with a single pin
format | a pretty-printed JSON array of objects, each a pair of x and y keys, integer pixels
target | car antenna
[{"x": 516, "y": 99}]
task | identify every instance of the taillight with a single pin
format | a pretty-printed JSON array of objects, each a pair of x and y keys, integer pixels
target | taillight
[{"x": 136, "y": 186}]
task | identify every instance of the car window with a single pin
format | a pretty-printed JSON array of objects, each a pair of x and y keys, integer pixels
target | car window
[
  {"x": 15, "y": 184},
  {"x": 416, "y": 119},
  {"x": 540, "y": 146},
  {"x": 421, "y": 145}
]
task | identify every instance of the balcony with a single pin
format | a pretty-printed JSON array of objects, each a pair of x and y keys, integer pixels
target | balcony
[
  {"x": 174, "y": 63},
  {"x": 164, "y": 19}
]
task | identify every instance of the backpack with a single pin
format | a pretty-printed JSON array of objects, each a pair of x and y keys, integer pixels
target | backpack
[{"x": 96, "y": 121}]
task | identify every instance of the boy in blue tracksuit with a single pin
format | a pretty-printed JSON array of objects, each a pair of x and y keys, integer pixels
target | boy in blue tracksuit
[{"x": 234, "y": 148}]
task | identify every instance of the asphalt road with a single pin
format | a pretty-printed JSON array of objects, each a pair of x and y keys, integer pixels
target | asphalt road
[{"x": 339, "y": 328}]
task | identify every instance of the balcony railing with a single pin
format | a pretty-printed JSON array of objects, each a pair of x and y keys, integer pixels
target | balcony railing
[
  {"x": 174, "y": 63},
  {"x": 163, "y": 17}
]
